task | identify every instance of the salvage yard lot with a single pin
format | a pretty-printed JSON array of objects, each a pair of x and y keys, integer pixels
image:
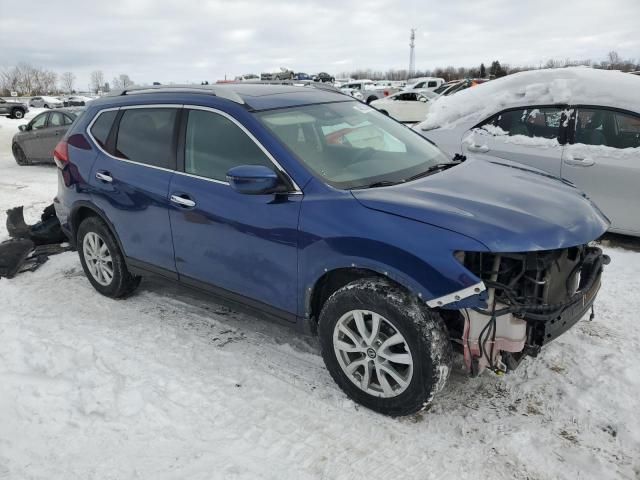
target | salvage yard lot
[{"x": 167, "y": 384}]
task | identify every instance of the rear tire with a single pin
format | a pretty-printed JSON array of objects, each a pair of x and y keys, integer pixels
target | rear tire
[
  {"x": 102, "y": 261},
  {"x": 400, "y": 349},
  {"x": 21, "y": 158}
]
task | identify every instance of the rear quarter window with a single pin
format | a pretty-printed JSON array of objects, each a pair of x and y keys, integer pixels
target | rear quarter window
[{"x": 102, "y": 126}]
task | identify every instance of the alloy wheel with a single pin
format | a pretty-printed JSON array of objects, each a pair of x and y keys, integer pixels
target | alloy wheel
[
  {"x": 98, "y": 258},
  {"x": 373, "y": 353}
]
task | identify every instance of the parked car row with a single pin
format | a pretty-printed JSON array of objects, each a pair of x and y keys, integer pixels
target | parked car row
[
  {"x": 287, "y": 74},
  {"x": 417, "y": 97}
]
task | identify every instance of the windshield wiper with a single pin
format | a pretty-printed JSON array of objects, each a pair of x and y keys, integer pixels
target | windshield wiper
[
  {"x": 382, "y": 183},
  {"x": 433, "y": 168}
]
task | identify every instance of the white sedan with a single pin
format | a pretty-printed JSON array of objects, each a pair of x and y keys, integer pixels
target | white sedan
[
  {"x": 46, "y": 102},
  {"x": 407, "y": 106},
  {"x": 578, "y": 124}
]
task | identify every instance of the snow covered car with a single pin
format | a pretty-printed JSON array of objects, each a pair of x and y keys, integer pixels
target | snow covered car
[
  {"x": 404, "y": 106},
  {"x": 46, "y": 102},
  {"x": 425, "y": 83},
  {"x": 367, "y": 90},
  {"x": 578, "y": 124},
  {"x": 75, "y": 101},
  {"x": 315, "y": 210}
]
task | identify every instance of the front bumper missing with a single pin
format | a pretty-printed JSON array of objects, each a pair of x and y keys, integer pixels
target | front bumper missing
[{"x": 548, "y": 323}]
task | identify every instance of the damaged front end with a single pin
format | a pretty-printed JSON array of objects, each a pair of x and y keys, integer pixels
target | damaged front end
[{"x": 532, "y": 298}]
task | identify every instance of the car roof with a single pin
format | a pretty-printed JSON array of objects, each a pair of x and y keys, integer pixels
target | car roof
[
  {"x": 252, "y": 95},
  {"x": 561, "y": 86}
]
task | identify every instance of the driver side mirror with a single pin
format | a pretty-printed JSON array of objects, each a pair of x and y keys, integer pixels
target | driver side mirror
[
  {"x": 255, "y": 180},
  {"x": 23, "y": 128}
]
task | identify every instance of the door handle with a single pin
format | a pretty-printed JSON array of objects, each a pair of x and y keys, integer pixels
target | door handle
[
  {"x": 478, "y": 148},
  {"x": 579, "y": 161},
  {"x": 182, "y": 201},
  {"x": 104, "y": 177}
]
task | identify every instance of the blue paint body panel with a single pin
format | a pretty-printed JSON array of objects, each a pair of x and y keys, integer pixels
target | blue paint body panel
[{"x": 272, "y": 249}]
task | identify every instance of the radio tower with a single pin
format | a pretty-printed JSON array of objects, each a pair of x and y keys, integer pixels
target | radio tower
[{"x": 412, "y": 52}]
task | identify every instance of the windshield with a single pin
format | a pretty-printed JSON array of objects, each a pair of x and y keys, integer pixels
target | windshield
[{"x": 351, "y": 145}]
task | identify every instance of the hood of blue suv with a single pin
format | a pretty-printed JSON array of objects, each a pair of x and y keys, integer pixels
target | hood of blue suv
[{"x": 507, "y": 208}]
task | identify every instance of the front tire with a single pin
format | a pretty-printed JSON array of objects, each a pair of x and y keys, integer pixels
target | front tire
[
  {"x": 383, "y": 348},
  {"x": 20, "y": 157},
  {"x": 102, "y": 261},
  {"x": 18, "y": 114}
]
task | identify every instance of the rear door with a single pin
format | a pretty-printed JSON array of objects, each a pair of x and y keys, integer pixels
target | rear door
[
  {"x": 533, "y": 136},
  {"x": 245, "y": 245},
  {"x": 131, "y": 179},
  {"x": 603, "y": 160},
  {"x": 51, "y": 135}
]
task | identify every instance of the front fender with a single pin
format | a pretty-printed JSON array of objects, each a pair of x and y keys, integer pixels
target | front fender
[{"x": 418, "y": 256}]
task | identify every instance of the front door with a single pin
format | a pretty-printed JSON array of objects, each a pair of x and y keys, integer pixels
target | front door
[
  {"x": 604, "y": 162},
  {"x": 32, "y": 140},
  {"x": 525, "y": 135},
  {"x": 245, "y": 245}
]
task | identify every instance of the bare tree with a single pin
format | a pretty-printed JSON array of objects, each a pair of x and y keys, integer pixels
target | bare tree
[
  {"x": 614, "y": 59},
  {"x": 122, "y": 82},
  {"x": 66, "y": 81},
  {"x": 97, "y": 80}
]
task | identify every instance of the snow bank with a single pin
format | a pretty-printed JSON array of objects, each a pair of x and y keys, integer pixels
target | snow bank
[{"x": 576, "y": 85}]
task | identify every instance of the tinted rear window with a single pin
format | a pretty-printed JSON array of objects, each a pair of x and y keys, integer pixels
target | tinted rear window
[
  {"x": 146, "y": 135},
  {"x": 102, "y": 126}
]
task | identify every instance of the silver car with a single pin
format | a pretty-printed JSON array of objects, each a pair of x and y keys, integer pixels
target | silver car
[
  {"x": 36, "y": 140},
  {"x": 46, "y": 102},
  {"x": 579, "y": 124}
]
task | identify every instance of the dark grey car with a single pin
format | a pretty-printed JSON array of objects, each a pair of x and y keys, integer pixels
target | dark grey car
[
  {"x": 35, "y": 141},
  {"x": 13, "y": 108}
]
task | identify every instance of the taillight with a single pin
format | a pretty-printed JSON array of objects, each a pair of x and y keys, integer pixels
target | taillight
[{"x": 61, "y": 154}]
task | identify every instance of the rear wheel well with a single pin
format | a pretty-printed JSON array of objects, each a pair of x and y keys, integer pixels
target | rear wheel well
[
  {"x": 371, "y": 99},
  {"x": 79, "y": 215},
  {"x": 333, "y": 281}
]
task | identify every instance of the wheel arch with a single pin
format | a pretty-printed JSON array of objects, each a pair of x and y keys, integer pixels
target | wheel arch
[
  {"x": 331, "y": 280},
  {"x": 82, "y": 210}
]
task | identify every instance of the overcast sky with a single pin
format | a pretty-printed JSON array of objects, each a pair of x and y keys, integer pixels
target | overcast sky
[{"x": 182, "y": 41}]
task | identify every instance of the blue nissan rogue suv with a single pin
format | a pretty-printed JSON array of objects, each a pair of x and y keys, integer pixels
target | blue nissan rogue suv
[{"x": 316, "y": 210}]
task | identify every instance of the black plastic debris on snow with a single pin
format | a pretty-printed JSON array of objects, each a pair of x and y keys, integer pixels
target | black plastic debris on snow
[
  {"x": 46, "y": 232},
  {"x": 31, "y": 245}
]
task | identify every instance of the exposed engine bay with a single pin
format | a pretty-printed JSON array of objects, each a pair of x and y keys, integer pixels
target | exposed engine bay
[{"x": 533, "y": 297}]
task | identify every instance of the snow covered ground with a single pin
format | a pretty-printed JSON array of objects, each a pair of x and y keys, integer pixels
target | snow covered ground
[{"x": 168, "y": 385}]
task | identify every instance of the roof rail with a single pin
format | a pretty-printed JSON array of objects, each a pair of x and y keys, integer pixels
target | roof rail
[
  {"x": 296, "y": 83},
  {"x": 217, "y": 90}
]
